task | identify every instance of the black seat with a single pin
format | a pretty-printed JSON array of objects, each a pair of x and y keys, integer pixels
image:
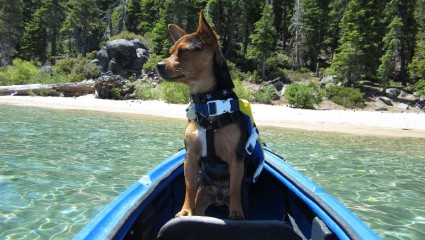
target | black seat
[{"x": 205, "y": 228}]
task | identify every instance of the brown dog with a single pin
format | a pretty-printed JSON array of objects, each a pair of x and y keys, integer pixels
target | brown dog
[{"x": 196, "y": 60}]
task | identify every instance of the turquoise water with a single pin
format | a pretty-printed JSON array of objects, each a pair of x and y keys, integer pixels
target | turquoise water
[{"x": 58, "y": 169}]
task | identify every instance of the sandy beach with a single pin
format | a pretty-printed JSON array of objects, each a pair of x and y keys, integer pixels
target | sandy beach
[{"x": 341, "y": 121}]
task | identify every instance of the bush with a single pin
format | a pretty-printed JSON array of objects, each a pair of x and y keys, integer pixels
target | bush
[
  {"x": 242, "y": 91},
  {"x": 77, "y": 69},
  {"x": 265, "y": 95},
  {"x": 146, "y": 91},
  {"x": 346, "y": 96},
  {"x": 419, "y": 86},
  {"x": 24, "y": 72},
  {"x": 21, "y": 72},
  {"x": 127, "y": 35},
  {"x": 174, "y": 92},
  {"x": 298, "y": 76},
  {"x": 303, "y": 96},
  {"x": 150, "y": 65},
  {"x": 278, "y": 73}
]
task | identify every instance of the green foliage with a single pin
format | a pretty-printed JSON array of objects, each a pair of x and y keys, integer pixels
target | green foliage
[
  {"x": 24, "y": 72},
  {"x": 242, "y": 91},
  {"x": 174, "y": 92},
  {"x": 419, "y": 86},
  {"x": 77, "y": 69},
  {"x": 265, "y": 95},
  {"x": 21, "y": 72},
  {"x": 262, "y": 39},
  {"x": 127, "y": 35},
  {"x": 356, "y": 37},
  {"x": 298, "y": 76},
  {"x": 303, "y": 96},
  {"x": 116, "y": 93},
  {"x": 150, "y": 65},
  {"x": 346, "y": 96},
  {"x": 81, "y": 23},
  {"x": 159, "y": 38},
  {"x": 146, "y": 91},
  {"x": 357, "y": 55}
]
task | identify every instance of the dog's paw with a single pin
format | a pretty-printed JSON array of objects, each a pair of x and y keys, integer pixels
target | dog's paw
[
  {"x": 236, "y": 215},
  {"x": 184, "y": 212}
]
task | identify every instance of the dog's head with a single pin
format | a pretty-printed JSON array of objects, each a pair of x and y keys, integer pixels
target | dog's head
[{"x": 196, "y": 59}]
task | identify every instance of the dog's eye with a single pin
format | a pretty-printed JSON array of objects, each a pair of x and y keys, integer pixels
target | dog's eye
[{"x": 181, "y": 51}]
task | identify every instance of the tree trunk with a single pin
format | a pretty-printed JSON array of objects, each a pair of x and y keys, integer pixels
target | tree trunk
[{"x": 263, "y": 67}]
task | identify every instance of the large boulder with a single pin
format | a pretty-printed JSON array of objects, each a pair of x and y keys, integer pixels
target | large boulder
[
  {"x": 123, "y": 57},
  {"x": 392, "y": 92}
]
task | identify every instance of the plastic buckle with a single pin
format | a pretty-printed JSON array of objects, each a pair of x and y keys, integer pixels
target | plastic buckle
[
  {"x": 218, "y": 107},
  {"x": 252, "y": 141}
]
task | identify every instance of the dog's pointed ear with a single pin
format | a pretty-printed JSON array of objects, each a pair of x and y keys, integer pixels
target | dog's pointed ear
[
  {"x": 176, "y": 32},
  {"x": 206, "y": 32}
]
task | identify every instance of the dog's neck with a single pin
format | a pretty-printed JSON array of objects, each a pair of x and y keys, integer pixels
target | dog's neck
[{"x": 203, "y": 86}]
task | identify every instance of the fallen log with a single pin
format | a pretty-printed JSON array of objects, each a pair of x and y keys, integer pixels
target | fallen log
[{"x": 63, "y": 89}]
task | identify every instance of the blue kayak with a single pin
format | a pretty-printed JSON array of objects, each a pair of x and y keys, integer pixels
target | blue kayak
[{"x": 281, "y": 204}]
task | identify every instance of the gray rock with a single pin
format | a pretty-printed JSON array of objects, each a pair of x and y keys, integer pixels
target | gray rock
[
  {"x": 392, "y": 92},
  {"x": 402, "y": 94},
  {"x": 103, "y": 58},
  {"x": 422, "y": 98},
  {"x": 123, "y": 51},
  {"x": 379, "y": 106},
  {"x": 123, "y": 57},
  {"x": 386, "y": 100},
  {"x": 139, "y": 44},
  {"x": 328, "y": 81},
  {"x": 403, "y": 106}
]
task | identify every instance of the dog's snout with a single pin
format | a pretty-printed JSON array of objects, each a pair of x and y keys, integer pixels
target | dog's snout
[{"x": 160, "y": 66}]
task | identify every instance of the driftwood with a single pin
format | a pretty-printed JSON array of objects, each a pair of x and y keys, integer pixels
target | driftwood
[{"x": 64, "y": 89}]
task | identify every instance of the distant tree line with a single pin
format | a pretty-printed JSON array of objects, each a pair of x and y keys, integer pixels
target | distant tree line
[{"x": 380, "y": 40}]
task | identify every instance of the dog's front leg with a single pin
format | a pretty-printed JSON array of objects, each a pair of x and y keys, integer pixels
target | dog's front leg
[
  {"x": 191, "y": 170},
  {"x": 236, "y": 169}
]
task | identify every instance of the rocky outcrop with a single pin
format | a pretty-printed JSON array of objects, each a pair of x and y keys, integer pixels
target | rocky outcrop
[
  {"x": 122, "y": 57},
  {"x": 113, "y": 87}
]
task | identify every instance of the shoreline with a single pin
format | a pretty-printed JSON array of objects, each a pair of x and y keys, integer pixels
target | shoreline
[{"x": 386, "y": 124}]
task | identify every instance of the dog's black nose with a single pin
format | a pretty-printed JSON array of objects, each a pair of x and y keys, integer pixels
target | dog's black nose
[{"x": 160, "y": 66}]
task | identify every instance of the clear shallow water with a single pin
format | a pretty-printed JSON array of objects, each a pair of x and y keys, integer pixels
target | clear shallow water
[{"x": 58, "y": 169}]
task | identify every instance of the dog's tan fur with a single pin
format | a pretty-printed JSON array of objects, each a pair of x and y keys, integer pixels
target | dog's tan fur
[{"x": 192, "y": 62}]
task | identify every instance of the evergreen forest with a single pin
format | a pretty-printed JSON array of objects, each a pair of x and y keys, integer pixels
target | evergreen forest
[{"x": 382, "y": 41}]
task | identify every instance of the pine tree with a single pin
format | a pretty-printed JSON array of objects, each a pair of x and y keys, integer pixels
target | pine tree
[
  {"x": 397, "y": 41},
  {"x": 358, "y": 51},
  {"x": 337, "y": 9},
  {"x": 133, "y": 16},
  {"x": 283, "y": 11},
  {"x": 10, "y": 28},
  {"x": 81, "y": 23},
  {"x": 43, "y": 31},
  {"x": 418, "y": 64},
  {"x": 392, "y": 41},
  {"x": 263, "y": 39},
  {"x": 150, "y": 10},
  {"x": 226, "y": 16},
  {"x": 313, "y": 30},
  {"x": 296, "y": 28},
  {"x": 251, "y": 13}
]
